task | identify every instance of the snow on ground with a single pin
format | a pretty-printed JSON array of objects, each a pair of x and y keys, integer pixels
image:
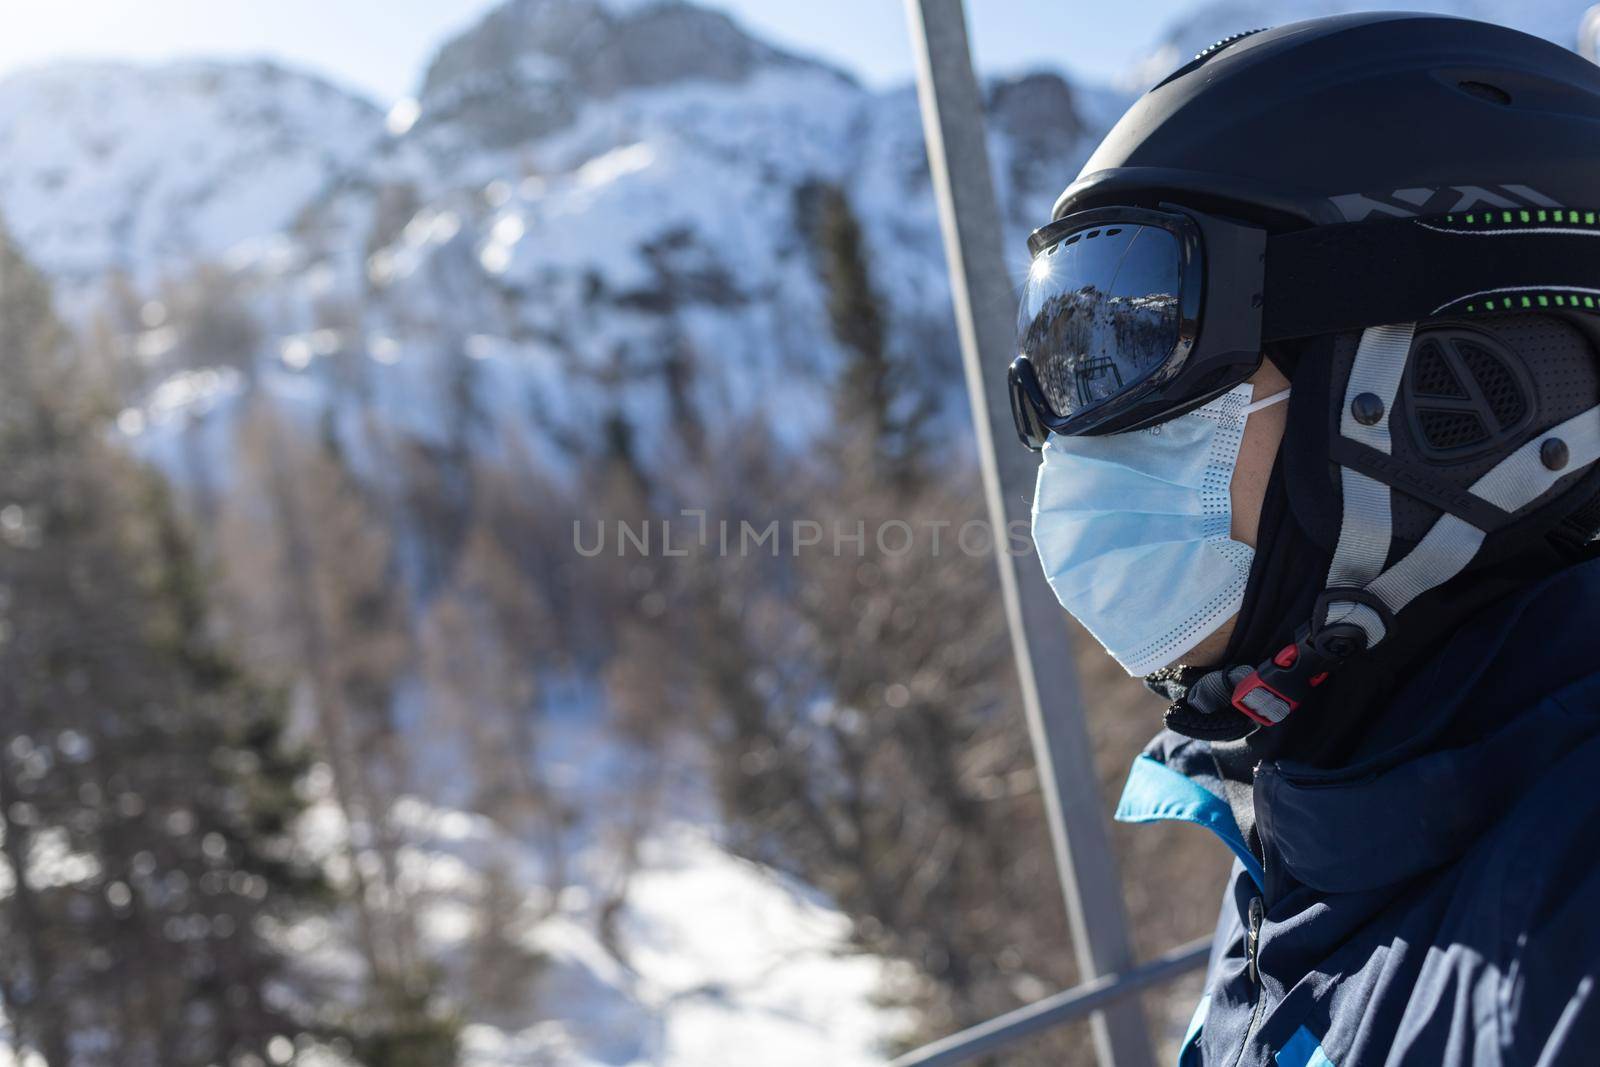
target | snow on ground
[
  {"x": 711, "y": 960},
  {"x": 715, "y": 957},
  {"x": 723, "y": 961},
  {"x": 719, "y": 961}
]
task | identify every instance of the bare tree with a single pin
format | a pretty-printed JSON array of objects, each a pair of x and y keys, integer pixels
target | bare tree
[{"x": 315, "y": 584}]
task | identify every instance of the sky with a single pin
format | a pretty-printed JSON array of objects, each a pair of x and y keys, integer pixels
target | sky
[{"x": 381, "y": 46}]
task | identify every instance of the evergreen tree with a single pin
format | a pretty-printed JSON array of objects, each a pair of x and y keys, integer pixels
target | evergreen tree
[
  {"x": 878, "y": 400},
  {"x": 146, "y": 795}
]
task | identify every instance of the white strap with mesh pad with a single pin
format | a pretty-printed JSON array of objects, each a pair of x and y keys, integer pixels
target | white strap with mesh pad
[
  {"x": 1521, "y": 478},
  {"x": 1366, "y": 526},
  {"x": 1444, "y": 550},
  {"x": 1380, "y": 361}
]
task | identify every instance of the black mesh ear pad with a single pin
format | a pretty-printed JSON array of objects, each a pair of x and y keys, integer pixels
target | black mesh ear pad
[
  {"x": 1474, "y": 392},
  {"x": 1465, "y": 394}
]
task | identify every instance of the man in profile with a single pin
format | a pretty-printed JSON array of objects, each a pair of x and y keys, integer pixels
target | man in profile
[{"x": 1312, "y": 356}]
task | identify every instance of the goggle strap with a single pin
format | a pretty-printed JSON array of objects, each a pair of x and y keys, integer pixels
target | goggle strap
[
  {"x": 1266, "y": 402},
  {"x": 1350, "y": 276}
]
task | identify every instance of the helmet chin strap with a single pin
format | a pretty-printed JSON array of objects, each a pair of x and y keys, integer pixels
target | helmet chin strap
[{"x": 1361, "y": 598}]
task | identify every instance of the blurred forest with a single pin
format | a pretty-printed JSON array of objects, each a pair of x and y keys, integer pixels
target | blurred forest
[{"x": 188, "y": 678}]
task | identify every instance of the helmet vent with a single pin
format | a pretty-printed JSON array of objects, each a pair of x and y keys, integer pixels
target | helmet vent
[
  {"x": 1218, "y": 45},
  {"x": 1465, "y": 393},
  {"x": 1449, "y": 431},
  {"x": 1484, "y": 91},
  {"x": 1432, "y": 376},
  {"x": 1205, "y": 54},
  {"x": 1505, "y": 399}
]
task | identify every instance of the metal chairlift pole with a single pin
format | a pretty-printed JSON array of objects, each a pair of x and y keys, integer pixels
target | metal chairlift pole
[{"x": 985, "y": 306}]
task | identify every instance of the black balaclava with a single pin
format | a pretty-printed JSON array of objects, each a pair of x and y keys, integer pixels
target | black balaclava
[
  {"x": 1287, "y": 575},
  {"x": 1350, "y": 720},
  {"x": 1294, "y": 547}
]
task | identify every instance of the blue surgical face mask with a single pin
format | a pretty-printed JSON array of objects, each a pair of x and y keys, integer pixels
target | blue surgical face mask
[{"x": 1132, "y": 529}]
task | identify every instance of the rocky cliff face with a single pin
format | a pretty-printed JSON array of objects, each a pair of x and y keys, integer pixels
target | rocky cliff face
[{"x": 531, "y": 65}]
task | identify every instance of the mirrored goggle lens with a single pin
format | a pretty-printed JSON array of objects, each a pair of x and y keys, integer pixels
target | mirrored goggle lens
[{"x": 1100, "y": 313}]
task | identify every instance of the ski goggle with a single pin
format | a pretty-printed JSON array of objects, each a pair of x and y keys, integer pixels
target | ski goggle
[
  {"x": 1131, "y": 316},
  {"x": 1109, "y": 317}
]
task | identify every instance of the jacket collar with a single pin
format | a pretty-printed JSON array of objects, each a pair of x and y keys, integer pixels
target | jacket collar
[{"x": 1522, "y": 669}]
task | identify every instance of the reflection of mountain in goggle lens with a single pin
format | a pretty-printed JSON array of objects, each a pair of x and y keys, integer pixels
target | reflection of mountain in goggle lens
[{"x": 1100, "y": 312}]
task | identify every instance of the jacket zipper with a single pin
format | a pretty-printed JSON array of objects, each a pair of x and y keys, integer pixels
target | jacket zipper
[
  {"x": 1252, "y": 944},
  {"x": 1252, "y": 949}
]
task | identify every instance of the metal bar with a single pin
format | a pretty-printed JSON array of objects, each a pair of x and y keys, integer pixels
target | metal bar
[
  {"x": 985, "y": 307},
  {"x": 1055, "y": 1010}
]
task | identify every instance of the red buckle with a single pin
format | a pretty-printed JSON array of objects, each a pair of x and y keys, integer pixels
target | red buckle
[
  {"x": 1287, "y": 655},
  {"x": 1250, "y": 685}
]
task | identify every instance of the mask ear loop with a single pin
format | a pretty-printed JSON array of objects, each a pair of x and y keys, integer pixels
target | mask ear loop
[{"x": 1265, "y": 402}]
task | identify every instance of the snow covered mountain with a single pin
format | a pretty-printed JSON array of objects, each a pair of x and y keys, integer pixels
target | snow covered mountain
[
  {"x": 117, "y": 167},
  {"x": 586, "y": 187}
]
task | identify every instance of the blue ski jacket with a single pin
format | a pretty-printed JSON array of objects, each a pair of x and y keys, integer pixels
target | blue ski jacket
[{"x": 1426, "y": 904}]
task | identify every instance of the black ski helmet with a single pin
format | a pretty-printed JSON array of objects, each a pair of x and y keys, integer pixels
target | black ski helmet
[
  {"x": 1342, "y": 118},
  {"x": 1351, "y": 118}
]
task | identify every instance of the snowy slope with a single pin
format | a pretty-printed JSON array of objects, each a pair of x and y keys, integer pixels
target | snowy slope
[
  {"x": 113, "y": 166},
  {"x": 713, "y": 957},
  {"x": 778, "y": 975},
  {"x": 723, "y": 956}
]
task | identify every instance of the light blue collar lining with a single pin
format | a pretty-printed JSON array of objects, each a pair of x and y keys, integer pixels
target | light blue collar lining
[
  {"x": 1303, "y": 1050},
  {"x": 1155, "y": 792}
]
